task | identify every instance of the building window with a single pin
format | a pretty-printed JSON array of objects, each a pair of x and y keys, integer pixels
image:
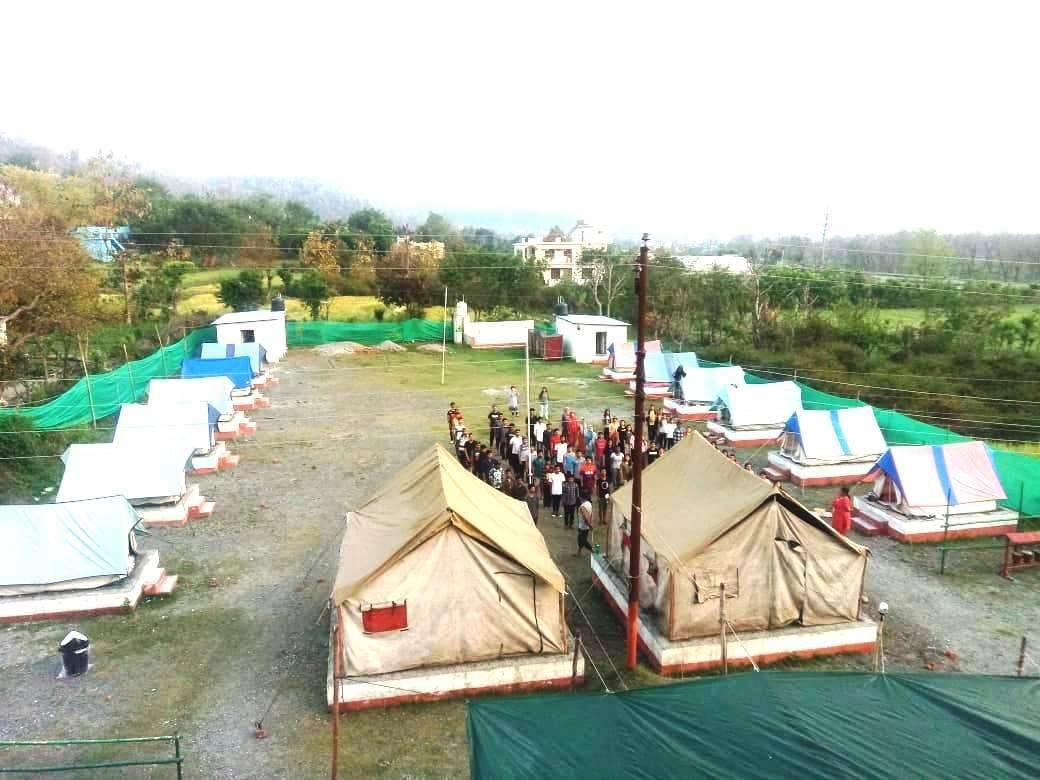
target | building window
[
  {"x": 378, "y": 618},
  {"x": 567, "y": 253},
  {"x": 601, "y": 342},
  {"x": 554, "y": 273}
]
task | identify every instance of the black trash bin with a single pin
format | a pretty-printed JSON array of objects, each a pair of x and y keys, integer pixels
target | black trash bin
[{"x": 75, "y": 653}]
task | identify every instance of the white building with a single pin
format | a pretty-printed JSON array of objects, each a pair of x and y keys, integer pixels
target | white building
[
  {"x": 734, "y": 264},
  {"x": 562, "y": 253},
  {"x": 587, "y": 337},
  {"x": 266, "y": 328}
]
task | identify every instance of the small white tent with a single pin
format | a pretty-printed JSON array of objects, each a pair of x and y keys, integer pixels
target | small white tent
[
  {"x": 191, "y": 426},
  {"x": 152, "y": 479},
  {"x": 829, "y": 447},
  {"x": 266, "y": 328},
  {"x": 52, "y": 547},
  {"x": 215, "y": 391},
  {"x": 753, "y": 415},
  {"x": 705, "y": 385}
]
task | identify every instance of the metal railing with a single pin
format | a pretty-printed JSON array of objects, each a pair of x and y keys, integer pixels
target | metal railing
[{"x": 176, "y": 759}]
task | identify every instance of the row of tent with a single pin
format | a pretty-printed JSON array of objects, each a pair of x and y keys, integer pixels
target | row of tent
[
  {"x": 86, "y": 538},
  {"x": 917, "y": 479}
]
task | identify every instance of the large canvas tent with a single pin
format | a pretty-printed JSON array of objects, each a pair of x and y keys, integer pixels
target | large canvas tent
[
  {"x": 70, "y": 546},
  {"x": 459, "y": 565},
  {"x": 932, "y": 491},
  {"x": 829, "y": 447},
  {"x": 706, "y": 521},
  {"x": 767, "y": 725}
]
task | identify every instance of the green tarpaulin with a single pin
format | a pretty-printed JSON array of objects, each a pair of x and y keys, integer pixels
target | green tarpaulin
[
  {"x": 768, "y": 725},
  {"x": 101, "y": 395}
]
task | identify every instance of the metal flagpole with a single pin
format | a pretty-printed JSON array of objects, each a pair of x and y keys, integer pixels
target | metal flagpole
[
  {"x": 634, "y": 553},
  {"x": 444, "y": 334}
]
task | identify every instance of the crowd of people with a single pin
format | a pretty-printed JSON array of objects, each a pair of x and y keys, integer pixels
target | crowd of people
[{"x": 569, "y": 466}]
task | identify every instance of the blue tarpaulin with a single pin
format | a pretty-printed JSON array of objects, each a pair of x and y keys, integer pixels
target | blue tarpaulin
[{"x": 237, "y": 369}]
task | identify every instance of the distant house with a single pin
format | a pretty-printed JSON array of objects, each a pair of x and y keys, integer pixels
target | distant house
[
  {"x": 102, "y": 243},
  {"x": 561, "y": 252},
  {"x": 433, "y": 249},
  {"x": 734, "y": 264}
]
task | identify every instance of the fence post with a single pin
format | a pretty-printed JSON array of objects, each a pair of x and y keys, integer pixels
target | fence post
[
  {"x": 1021, "y": 656},
  {"x": 162, "y": 352},
  {"x": 130, "y": 373},
  {"x": 86, "y": 378},
  {"x": 177, "y": 754}
]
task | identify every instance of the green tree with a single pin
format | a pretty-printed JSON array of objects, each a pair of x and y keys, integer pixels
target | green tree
[
  {"x": 313, "y": 290},
  {"x": 488, "y": 279},
  {"x": 242, "y": 292},
  {"x": 373, "y": 225},
  {"x": 609, "y": 276},
  {"x": 408, "y": 276}
]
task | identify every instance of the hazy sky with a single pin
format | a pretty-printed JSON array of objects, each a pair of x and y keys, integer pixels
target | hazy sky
[{"x": 683, "y": 119}]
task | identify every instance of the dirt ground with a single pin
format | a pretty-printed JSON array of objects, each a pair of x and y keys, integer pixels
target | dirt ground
[{"x": 245, "y": 635}]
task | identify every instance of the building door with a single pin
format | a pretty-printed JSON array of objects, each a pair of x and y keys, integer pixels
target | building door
[
  {"x": 601, "y": 342},
  {"x": 248, "y": 336}
]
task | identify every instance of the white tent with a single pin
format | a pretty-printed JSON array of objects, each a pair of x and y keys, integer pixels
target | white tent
[
  {"x": 152, "y": 475},
  {"x": 705, "y": 385},
  {"x": 215, "y": 391},
  {"x": 187, "y": 426},
  {"x": 833, "y": 436},
  {"x": 266, "y": 328},
  {"x": 50, "y": 547},
  {"x": 622, "y": 357},
  {"x": 768, "y": 405},
  {"x": 255, "y": 352},
  {"x": 929, "y": 480}
]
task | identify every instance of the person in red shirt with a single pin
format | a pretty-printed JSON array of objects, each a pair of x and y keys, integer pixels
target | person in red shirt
[
  {"x": 574, "y": 431},
  {"x": 601, "y": 450},
  {"x": 841, "y": 513},
  {"x": 588, "y": 473}
]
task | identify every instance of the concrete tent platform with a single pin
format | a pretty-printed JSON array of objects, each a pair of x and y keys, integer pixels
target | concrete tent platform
[
  {"x": 213, "y": 461},
  {"x": 690, "y": 412},
  {"x": 237, "y": 425},
  {"x": 191, "y": 506},
  {"x": 146, "y": 579},
  {"x": 247, "y": 403},
  {"x": 757, "y": 437},
  {"x": 668, "y": 657},
  {"x": 820, "y": 475},
  {"x": 621, "y": 377},
  {"x": 873, "y": 518},
  {"x": 525, "y": 673}
]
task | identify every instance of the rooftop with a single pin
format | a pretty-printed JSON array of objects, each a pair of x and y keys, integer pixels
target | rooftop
[
  {"x": 248, "y": 316},
  {"x": 590, "y": 319}
]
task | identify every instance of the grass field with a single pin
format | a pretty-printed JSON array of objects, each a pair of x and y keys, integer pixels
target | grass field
[{"x": 901, "y": 317}]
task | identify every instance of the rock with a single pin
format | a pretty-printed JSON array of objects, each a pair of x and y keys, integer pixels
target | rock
[{"x": 389, "y": 346}]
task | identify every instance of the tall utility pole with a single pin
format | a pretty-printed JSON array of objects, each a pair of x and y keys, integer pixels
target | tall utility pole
[
  {"x": 823, "y": 243},
  {"x": 636, "y": 515}
]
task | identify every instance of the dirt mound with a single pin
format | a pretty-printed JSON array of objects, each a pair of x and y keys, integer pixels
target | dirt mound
[
  {"x": 389, "y": 346},
  {"x": 432, "y": 348},
  {"x": 342, "y": 348}
]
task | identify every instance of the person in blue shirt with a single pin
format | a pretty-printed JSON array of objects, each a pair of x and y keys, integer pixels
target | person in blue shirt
[{"x": 570, "y": 463}]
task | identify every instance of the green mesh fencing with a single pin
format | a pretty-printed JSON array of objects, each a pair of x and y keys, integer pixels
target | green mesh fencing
[
  {"x": 309, "y": 334},
  {"x": 101, "y": 395}
]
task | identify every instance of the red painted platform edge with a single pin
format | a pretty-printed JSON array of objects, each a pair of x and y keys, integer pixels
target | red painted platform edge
[
  {"x": 78, "y": 613},
  {"x": 697, "y": 417},
  {"x": 963, "y": 533},
  {"x": 227, "y": 435},
  {"x": 203, "y": 472},
  {"x": 655, "y": 663},
  {"x": 745, "y": 444},
  {"x": 179, "y": 523},
  {"x": 825, "y": 481},
  {"x": 411, "y": 698}
]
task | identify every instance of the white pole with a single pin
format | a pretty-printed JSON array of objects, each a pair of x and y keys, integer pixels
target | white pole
[
  {"x": 527, "y": 378},
  {"x": 444, "y": 334}
]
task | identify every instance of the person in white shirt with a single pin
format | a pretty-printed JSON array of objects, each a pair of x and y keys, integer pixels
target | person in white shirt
[
  {"x": 616, "y": 459},
  {"x": 667, "y": 433},
  {"x": 539, "y": 433},
  {"x": 561, "y": 452},
  {"x": 584, "y": 526},
  {"x": 556, "y": 480},
  {"x": 516, "y": 443}
]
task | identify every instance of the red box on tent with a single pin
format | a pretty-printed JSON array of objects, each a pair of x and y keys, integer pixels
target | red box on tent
[{"x": 393, "y": 617}]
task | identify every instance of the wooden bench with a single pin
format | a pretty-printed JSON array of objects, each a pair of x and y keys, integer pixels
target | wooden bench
[{"x": 1015, "y": 557}]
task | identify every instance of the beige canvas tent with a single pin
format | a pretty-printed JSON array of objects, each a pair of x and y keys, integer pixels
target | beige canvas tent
[
  {"x": 706, "y": 521},
  {"x": 439, "y": 568}
]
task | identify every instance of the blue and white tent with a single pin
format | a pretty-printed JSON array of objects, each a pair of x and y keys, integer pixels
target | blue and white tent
[
  {"x": 190, "y": 425},
  {"x": 255, "y": 352},
  {"x": 238, "y": 369},
  {"x": 656, "y": 366},
  {"x": 688, "y": 360},
  {"x": 214, "y": 391},
  {"x": 763, "y": 406},
  {"x": 814, "y": 437},
  {"x": 929, "y": 480}
]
